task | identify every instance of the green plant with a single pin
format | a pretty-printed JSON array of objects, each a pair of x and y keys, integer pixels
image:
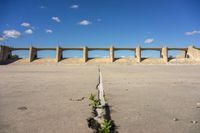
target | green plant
[
  {"x": 14, "y": 57},
  {"x": 94, "y": 102},
  {"x": 106, "y": 125},
  {"x": 171, "y": 57}
]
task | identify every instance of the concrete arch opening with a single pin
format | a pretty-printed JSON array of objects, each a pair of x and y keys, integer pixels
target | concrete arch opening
[
  {"x": 124, "y": 54},
  {"x": 173, "y": 54},
  {"x": 98, "y": 54},
  {"x": 109, "y": 53},
  {"x": 46, "y": 54},
  {"x": 150, "y": 54},
  {"x": 20, "y": 54},
  {"x": 72, "y": 54}
]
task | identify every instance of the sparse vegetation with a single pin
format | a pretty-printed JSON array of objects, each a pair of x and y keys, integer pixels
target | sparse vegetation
[
  {"x": 14, "y": 57},
  {"x": 105, "y": 127},
  {"x": 94, "y": 102},
  {"x": 100, "y": 122}
]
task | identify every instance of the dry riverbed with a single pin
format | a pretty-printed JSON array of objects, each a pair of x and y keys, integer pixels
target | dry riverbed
[{"x": 141, "y": 98}]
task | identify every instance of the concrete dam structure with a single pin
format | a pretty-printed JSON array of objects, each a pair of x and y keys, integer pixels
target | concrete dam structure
[{"x": 191, "y": 53}]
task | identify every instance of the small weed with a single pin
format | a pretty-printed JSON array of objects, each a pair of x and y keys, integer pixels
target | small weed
[
  {"x": 171, "y": 57},
  {"x": 94, "y": 102},
  {"x": 106, "y": 125},
  {"x": 14, "y": 57}
]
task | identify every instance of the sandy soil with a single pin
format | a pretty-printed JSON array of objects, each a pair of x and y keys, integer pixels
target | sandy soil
[
  {"x": 42, "y": 99},
  {"x": 99, "y": 61},
  {"x": 150, "y": 98},
  {"x": 142, "y": 98}
]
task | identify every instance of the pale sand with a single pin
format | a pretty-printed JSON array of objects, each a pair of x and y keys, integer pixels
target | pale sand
[
  {"x": 143, "y": 98},
  {"x": 95, "y": 61},
  {"x": 46, "y": 91},
  {"x": 146, "y": 98}
]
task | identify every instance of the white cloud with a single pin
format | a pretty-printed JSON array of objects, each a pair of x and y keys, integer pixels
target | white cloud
[
  {"x": 100, "y": 56},
  {"x": 11, "y": 33},
  {"x": 49, "y": 31},
  {"x": 56, "y": 19},
  {"x": 74, "y": 6},
  {"x": 2, "y": 38},
  {"x": 149, "y": 40},
  {"x": 192, "y": 33},
  {"x": 126, "y": 56},
  {"x": 25, "y": 24},
  {"x": 29, "y": 31},
  {"x": 84, "y": 22}
]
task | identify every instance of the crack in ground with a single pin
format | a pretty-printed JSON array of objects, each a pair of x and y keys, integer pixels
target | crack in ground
[
  {"x": 78, "y": 99},
  {"x": 101, "y": 113}
]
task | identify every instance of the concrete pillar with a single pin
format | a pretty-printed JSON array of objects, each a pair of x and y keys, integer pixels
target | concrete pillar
[
  {"x": 165, "y": 54},
  {"x": 5, "y": 53},
  {"x": 32, "y": 53},
  {"x": 138, "y": 53},
  {"x": 161, "y": 56},
  {"x": 112, "y": 54},
  {"x": 193, "y": 53},
  {"x": 1, "y": 54},
  {"x": 85, "y": 54},
  {"x": 185, "y": 54},
  {"x": 58, "y": 54}
]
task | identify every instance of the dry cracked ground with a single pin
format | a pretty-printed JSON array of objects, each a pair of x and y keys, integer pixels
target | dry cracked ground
[{"x": 142, "y": 98}]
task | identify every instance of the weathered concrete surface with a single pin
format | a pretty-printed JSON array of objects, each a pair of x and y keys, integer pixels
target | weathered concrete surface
[
  {"x": 58, "y": 54},
  {"x": 164, "y": 54},
  {"x": 146, "y": 98},
  {"x": 85, "y": 54},
  {"x": 194, "y": 53},
  {"x": 138, "y": 53},
  {"x": 5, "y": 53},
  {"x": 112, "y": 54},
  {"x": 190, "y": 52},
  {"x": 32, "y": 54},
  {"x": 46, "y": 92}
]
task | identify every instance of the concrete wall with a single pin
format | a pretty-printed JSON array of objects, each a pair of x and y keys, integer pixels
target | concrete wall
[
  {"x": 58, "y": 54},
  {"x": 138, "y": 54},
  {"x": 191, "y": 52},
  {"x": 112, "y": 56},
  {"x": 85, "y": 54},
  {"x": 32, "y": 54},
  {"x": 164, "y": 54},
  {"x": 5, "y": 53}
]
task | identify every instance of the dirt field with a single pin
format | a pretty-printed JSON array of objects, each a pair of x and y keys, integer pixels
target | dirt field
[
  {"x": 154, "y": 99},
  {"x": 142, "y": 98},
  {"x": 45, "y": 99}
]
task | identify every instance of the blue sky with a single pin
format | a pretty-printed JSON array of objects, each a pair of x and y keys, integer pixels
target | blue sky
[{"x": 100, "y": 23}]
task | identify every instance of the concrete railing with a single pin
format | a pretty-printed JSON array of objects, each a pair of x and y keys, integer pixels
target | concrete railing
[{"x": 190, "y": 52}]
